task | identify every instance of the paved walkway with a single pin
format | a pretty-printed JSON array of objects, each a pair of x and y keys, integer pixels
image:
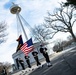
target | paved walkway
[{"x": 64, "y": 63}]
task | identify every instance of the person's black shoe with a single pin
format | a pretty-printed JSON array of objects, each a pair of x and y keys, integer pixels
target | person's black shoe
[
  {"x": 49, "y": 65},
  {"x": 32, "y": 69}
]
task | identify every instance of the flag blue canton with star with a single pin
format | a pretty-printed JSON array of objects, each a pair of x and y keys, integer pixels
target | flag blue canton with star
[{"x": 27, "y": 47}]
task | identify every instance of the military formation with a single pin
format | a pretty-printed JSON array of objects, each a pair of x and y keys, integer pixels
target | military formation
[{"x": 43, "y": 51}]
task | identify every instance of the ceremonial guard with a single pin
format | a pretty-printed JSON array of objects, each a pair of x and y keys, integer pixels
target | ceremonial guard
[
  {"x": 28, "y": 61},
  {"x": 35, "y": 55},
  {"x": 45, "y": 54},
  {"x": 21, "y": 63}
]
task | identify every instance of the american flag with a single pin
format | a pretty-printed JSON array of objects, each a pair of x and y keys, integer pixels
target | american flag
[{"x": 27, "y": 47}]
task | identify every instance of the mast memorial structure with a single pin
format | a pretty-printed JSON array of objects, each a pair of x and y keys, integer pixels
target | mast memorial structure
[{"x": 15, "y": 9}]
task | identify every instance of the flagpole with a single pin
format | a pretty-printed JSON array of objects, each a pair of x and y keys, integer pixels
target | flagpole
[
  {"x": 22, "y": 26},
  {"x": 15, "y": 9}
]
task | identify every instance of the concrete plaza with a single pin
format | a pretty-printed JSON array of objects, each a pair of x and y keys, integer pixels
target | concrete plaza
[{"x": 63, "y": 63}]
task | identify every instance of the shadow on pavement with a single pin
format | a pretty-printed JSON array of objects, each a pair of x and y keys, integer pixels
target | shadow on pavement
[{"x": 63, "y": 64}]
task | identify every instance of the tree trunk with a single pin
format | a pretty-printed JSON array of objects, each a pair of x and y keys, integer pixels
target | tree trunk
[{"x": 71, "y": 32}]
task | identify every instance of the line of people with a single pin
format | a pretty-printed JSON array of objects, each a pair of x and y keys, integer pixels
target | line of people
[{"x": 43, "y": 51}]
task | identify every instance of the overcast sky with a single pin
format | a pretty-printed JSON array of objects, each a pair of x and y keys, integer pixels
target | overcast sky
[{"x": 33, "y": 12}]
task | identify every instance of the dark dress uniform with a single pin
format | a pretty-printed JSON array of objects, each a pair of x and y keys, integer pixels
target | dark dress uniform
[
  {"x": 17, "y": 62},
  {"x": 45, "y": 54},
  {"x": 35, "y": 55},
  {"x": 4, "y": 71},
  {"x": 28, "y": 61},
  {"x": 21, "y": 63}
]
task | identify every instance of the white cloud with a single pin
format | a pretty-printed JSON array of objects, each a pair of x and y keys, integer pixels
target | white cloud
[{"x": 33, "y": 11}]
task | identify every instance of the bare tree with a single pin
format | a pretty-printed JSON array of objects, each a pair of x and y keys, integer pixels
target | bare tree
[
  {"x": 6, "y": 65},
  {"x": 70, "y": 2},
  {"x": 70, "y": 38},
  {"x": 3, "y": 27},
  {"x": 58, "y": 46},
  {"x": 62, "y": 20},
  {"x": 42, "y": 33}
]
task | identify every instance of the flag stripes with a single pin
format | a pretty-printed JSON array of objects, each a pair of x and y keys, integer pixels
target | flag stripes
[{"x": 27, "y": 47}]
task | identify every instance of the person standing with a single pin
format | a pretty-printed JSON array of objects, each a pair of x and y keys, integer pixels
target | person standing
[
  {"x": 4, "y": 71},
  {"x": 45, "y": 54},
  {"x": 35, "y": 55},
  {"x": 28, "y": 61},
  {"x": 17, "y": 62},
  {"x": 21, "y": 63}
]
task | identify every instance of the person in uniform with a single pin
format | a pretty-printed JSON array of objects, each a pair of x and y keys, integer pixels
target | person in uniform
[
  {"x": 35, "y": 55},
  {"x": 21, "y": 63},
  {"x": 28, "y": 61},
  {"x": 45, "y": 54},
  {"x": 17, "y": 62},
  {"x": 4, "y": 71}
]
